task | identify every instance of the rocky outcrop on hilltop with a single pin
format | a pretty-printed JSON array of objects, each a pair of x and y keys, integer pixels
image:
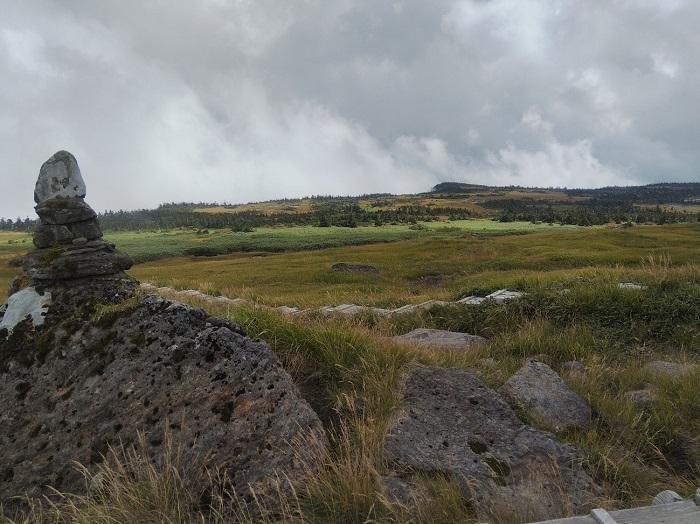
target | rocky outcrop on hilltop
[{"x": 91, "y": 363}]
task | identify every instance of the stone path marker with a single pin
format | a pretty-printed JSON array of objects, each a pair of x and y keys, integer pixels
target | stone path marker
[
  {"x": 541, "y": 393},
  {"x": 97, "y": 364},
  {"x": 499, "y": 297},
  {"x": 439, "y": 338},
  {"x": 451, "y": 423}
]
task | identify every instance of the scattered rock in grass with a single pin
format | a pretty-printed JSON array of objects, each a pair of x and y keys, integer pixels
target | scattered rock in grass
[
  {"x": 400, "y": 491},
  {"x": 499, "y": 297},
  {"x": 666, "y": 497},
  {"x": 574, "y": 367},
  {"x": 342, "y": 267},
  {"x": 440, "y": 338},
  {"x": 423, "y": 306},
  {"x": 631, "y": 285},
  {"x": 663, "y": 369},
  {"x": 471, "y": 300},
  {"x": 504, "y": 295},
  {"x": 287, "y": 310},
  {"x": 450, "y": 423},
  {"x": 489, "y": 363},
  {"x": 643, "y": 398},
  {"x": 541, "y": 393}
]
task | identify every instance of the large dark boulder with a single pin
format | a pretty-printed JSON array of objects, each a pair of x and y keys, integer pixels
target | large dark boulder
[
  {"x": 450, "y": 423},
  {"x": 79, "y": 383},
  {"x": 86, "y": 362}
]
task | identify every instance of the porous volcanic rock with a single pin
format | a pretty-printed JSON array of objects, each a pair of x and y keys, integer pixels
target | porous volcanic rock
[
  {"x": 155, "y": 365},
  {"x": 450, "y": 423},
  {"x": 541, "y": 393}
]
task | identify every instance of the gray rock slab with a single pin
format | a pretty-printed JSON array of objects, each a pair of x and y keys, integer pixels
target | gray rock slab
[
  {"x": 423, "y": 306},
  {"x": 541, "y": 393},
  {"x": 27, "y": 303},
  {"x": 440, "y": 338},
  {"x": 89, "y": 259},
  {"x": 59, "y": 177},
  {"x": 664, "y": 369},
  {"x": 287, "y": 310},
  {"x": 642, "y": 398},
  {"x": 471, "y": 300},
  {"x": 574, "y": 367},
  {"x": 451, "y": 423},
  {"x": 503, "y": 295},
  {"x": 64, "y": 211},
  {"x": 631, "y": 286}
]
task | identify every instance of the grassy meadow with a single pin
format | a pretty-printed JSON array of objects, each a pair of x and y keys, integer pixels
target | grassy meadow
[
  {"x": 160, "y": 244},
  {"x": 348, "y": 368},
  {"x": 435, "y": 267}
]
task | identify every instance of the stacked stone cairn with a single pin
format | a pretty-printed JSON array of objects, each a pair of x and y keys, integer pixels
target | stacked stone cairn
[
  {"x": 68, "y": 238},
  {"x": 87, "y": 364}
]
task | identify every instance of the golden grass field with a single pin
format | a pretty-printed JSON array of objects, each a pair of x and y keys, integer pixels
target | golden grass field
[{"x": 428, "y": 268}]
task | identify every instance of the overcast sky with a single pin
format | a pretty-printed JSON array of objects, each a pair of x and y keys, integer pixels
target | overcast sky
[{"x": 241, "y": 100}]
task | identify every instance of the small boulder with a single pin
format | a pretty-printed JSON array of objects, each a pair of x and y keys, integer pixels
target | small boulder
[
  {"x": 400, "y": 491},
  {"x": 642, "y": 398},
  {"x": 573, "y": 367},
  {"x": 342, "y": 267},
  {"x": 442, "y": 339},
  {"x": 541, "y": 393},
  {"x": 59, "y": 177},
  {"x": 451, "y": 423},
  {"x": 663, "y": 369}
]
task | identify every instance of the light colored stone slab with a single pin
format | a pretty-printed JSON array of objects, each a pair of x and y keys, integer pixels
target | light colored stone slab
[
  {"x": 471, "y": 300},
  {"x": 23, "y": 304},
  {"x": 663, "y": 369},
  {"x": 503, "y": 295},
  {"x": 287, "y": 310},
  {"x": 418, "y": 307},
  {"x": 440, "y": 338},
  {"x": 631, "y": 285}
]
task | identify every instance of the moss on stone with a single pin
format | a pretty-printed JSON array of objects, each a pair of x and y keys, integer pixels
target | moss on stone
[
  {"x": 50, "y": 255},
  {"x": 105, "y": 314}
]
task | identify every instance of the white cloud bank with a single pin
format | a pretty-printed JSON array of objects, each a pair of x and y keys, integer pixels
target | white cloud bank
[{"x": 249, "y": 100}]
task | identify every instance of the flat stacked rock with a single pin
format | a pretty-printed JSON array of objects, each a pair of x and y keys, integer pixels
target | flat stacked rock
[{"x": 68, "y": 238}]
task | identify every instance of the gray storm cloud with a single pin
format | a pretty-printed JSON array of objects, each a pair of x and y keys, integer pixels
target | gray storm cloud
[{"x": 245, "y": 100}]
